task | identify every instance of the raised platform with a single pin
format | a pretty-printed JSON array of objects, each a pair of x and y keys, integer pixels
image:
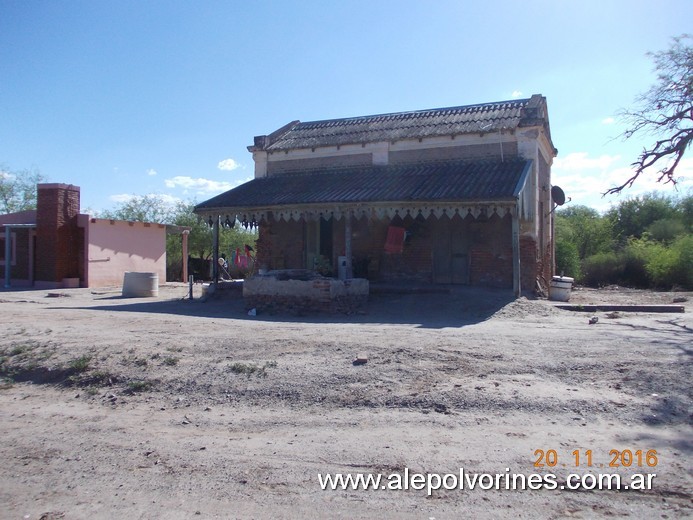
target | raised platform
[{"x": 298, "y": 291}]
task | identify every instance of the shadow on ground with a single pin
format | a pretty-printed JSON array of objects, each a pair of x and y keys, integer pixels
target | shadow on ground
[{"x": 448, "y": 306}]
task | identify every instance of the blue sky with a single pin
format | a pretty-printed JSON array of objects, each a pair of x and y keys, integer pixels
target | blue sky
[{"x": 130, "y": 98}]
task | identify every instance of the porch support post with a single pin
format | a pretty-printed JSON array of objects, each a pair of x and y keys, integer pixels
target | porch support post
[
  {"x": 347, "y": 244},
  {"x": 215, "y": 248},
  {"x": 8, "y": 256},
  {"x": 184, "y": 245},
  {"x": 517, "y": 289},
  {"x": 30, "y": 232}
]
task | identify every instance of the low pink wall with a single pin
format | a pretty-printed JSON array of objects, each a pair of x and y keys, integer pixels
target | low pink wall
[{"x": 117, "y": 246}]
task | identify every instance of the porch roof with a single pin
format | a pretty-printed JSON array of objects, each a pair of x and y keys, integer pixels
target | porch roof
[{"x": 433, "y": 182}]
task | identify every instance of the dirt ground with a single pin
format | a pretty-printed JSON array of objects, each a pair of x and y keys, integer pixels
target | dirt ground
[{"x": 167, "y": 408}]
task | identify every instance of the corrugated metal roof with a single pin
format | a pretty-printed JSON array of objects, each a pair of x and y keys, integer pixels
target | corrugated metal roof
[
  {"x": 454, "y": 181},
  {"x": 486, "y": 117}
]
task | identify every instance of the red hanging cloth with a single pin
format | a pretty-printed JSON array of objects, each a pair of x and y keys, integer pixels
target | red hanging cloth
[{"x": 395, "y": 239}]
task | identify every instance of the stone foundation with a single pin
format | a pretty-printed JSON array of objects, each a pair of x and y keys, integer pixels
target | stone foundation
[{"x": 298, "y": 291}]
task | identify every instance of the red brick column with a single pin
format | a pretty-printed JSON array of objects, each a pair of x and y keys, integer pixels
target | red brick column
[
  {"x": 528, "y": 262},
  {"x": 57, "y": 237},
  {"x": 263, "y": 246}
]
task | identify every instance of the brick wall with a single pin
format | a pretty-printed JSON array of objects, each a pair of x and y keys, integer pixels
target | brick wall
[
  {"x": 279, "y": 166},
  {"x": 57, "y": 233},
  {"x": 491, "y": 252},
  {"x": 546, "y": 250},
  {"x": 528, "y": 263},
  {"x": 485, "y": 244},
  {"x": 294, "y": 296},
  {"x": 415, "y": 261},
  {"x": 471, "y": 152},
  {"x": 281, "y": 244}
]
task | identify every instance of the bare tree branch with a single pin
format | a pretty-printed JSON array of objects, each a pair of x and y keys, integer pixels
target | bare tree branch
[{"x": 665, "y": 109}]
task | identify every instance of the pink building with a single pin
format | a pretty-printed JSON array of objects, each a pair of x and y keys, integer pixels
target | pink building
[{"x": 56, "y": 246}]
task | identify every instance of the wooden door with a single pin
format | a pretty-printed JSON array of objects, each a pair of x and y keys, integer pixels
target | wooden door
[{"x": 450, "y": 252}]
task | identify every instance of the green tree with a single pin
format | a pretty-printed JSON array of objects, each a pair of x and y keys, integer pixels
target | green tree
[
  {"x": 632, "y": 217},
  {"x": 200, "y": 240},
  {"x": 567, "y": 259},
  {"x": 589, "y": 232},
  {"x": 18, "y": 189},
  {"x": 666, "y": 111},
  {"x": 144, "y": 208},
  {"x": 685, "y": 208},
  {"x": 642, "y": 242},
  {"x": 666, "y": 230}
]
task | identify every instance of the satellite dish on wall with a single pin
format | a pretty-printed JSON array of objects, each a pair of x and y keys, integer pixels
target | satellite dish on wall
[{"x": 557, "y": 195}]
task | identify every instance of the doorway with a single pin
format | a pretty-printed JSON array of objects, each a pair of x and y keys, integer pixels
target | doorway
[
  {"x": 319, "y": 242},
  {"x": 451, "y": 243}
]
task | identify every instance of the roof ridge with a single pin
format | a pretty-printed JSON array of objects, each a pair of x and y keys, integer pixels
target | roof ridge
[{"x": 413, "y": 113}]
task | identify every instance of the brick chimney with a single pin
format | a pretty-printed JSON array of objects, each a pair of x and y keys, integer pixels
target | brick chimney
[{"x": 57, "y": 233}]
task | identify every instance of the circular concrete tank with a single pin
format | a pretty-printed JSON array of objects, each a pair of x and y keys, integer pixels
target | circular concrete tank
[
  {"x": 560, "y": 288},
  {"x": 140, "y": 285}
]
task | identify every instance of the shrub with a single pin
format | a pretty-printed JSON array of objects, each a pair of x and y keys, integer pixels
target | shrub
[
  {"x": 567, "y": 259},
  {"x": 636, "y": 255},
  {"x": 602, "y": 269},
  {"x": 684, "y": 267},
  {"x": 80, "y": 364},
  {"x": 673, "y": 265},
  {"x": 139, "y": 386},
  {"x": 250, "y": 369}
]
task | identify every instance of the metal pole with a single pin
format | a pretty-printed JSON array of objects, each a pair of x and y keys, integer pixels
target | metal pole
[
  {"x": 191, "y": 280},
  {"x": 215, "y": 245}
]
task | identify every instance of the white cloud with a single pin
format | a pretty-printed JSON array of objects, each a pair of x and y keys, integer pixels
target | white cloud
[
  {"x": 647, "y": 181},
  {"x": 165, "y": 197},
  {"x": 608, "y": 121},
  {"x": 151, "y": 172},
  {"x": 516, "y": 94},
  {"x": 584, "y": 179},
  {"x": 579, "y": 161},
  {"x": 228, "y": 164},
  {"x": 200, "y": 185},
  {"x": 122, "y": 197}
]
